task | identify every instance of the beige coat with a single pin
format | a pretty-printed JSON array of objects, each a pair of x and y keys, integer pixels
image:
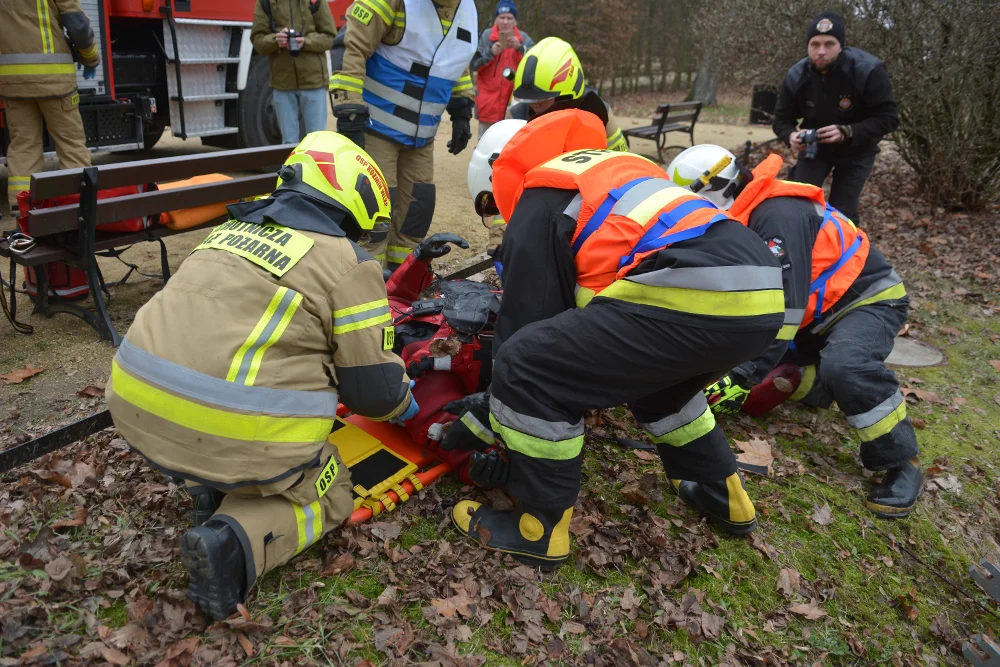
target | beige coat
[
  {"x": 36, "y": 61},
  {"x": 232, "y": 373}
]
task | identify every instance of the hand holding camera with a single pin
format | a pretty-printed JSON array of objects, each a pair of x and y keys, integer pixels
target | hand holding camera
[
  {"x": 291, "y": 39},
  {"x": 810, "y": 143}
]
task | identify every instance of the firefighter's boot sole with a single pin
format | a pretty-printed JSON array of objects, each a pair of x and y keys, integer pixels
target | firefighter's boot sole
[{"x": 214, "y": 559}]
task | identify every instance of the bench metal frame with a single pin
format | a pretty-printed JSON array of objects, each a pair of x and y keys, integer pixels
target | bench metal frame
[{"x": 660, "y": 118}]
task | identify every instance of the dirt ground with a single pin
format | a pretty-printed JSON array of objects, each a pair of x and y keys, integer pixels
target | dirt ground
[{"x": 69, "y": 350}]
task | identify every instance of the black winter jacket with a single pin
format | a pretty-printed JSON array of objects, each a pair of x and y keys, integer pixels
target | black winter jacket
[{"x": 856, "y": 92}]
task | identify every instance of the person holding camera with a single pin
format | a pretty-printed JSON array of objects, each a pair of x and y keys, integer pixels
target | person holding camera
[
  {"x": 297, "y": 52},
  {"x": 501, "y": 46},
  {"x": 844, "y": 97}
]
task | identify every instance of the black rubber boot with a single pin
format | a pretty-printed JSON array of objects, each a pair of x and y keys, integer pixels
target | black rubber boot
[
  {"x": 897, "y": 493},
  {"x": 216, "y": 564},
  {"x": 536, "y": 536},
  {"x": 725, "y": 502},
  {"x": 204, "y": 505}
]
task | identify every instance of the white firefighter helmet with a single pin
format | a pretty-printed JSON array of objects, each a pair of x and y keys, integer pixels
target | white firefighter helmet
[
  {"x": 709, "y": 170},
  {"x": 480, "y": 176}
]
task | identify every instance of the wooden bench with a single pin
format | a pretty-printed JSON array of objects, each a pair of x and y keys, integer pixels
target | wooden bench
[
  {"x": 69, "y": 234},
  {"x": 679, "y": 117}
]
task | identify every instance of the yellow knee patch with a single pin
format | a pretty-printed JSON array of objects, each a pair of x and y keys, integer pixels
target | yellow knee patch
[{"x": 741, "y": 509}]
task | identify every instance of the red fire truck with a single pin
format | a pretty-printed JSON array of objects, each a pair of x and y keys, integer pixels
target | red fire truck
[{"x": 186, "y": 64}]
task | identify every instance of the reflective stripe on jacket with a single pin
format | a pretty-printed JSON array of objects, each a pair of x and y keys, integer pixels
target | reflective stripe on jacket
[
  {"x": 839, "y": 252},
  {"x": 231, "y": 374},
  {"x": 626, "y": 211},
  {"x": 36, "y": 61},
  {"x": 407, "y": 86}
]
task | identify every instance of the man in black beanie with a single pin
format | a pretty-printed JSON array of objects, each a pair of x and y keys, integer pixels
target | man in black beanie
[{"x": 844, "y": 94}]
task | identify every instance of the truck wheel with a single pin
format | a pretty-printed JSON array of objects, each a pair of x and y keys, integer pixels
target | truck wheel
[
  {"x": 151, "y": 134},
  {"x": 258, "y": 123}
]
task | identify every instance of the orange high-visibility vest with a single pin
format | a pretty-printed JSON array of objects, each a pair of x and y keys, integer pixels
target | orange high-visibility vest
[
  {"x": 840, "y": 250},
  {"x": 629, "y": 210}
]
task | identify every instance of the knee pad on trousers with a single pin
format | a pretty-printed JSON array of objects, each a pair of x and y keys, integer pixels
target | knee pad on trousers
[{"x": 421, "y": 211}]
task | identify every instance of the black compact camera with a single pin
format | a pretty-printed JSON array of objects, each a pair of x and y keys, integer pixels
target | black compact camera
[
  {"x": 812, "y": 143},
  {"x": 294, "y": 48}
]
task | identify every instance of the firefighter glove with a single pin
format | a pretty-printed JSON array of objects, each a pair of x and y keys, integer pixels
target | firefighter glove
[
  {"x": 351, "y": 120},
  {"x": 470, "y": 432},
  {"x": 460, "y": 110},
  {"x": 488, "y": 470},
  {"x": 436, "y": 245},
  {"x": 727, "y": 395}
]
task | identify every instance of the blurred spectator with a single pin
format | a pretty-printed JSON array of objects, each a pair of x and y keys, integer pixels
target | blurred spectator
[
  {"x": 297, "y": 53},
  {"x": 500, "y": 46}
]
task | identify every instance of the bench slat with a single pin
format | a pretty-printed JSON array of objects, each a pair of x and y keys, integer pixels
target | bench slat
[
  {"x": 683, "y": 106},
  {"x": 681, "y": 118},
  {"x": 48, "y": 221},
  {"x": 67, "y": 181}
]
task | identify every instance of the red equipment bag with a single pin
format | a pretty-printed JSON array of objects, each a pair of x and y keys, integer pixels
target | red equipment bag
[{"x": 68, "y": 282}]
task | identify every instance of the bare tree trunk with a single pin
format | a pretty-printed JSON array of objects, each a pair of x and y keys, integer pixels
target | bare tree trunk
[{"x": 706, "y": 84}]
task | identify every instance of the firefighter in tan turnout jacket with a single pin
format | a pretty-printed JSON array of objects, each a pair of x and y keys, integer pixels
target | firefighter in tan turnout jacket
[
  {"x": 406, "y": 62},
  {"x": 231, "y": 375},
  {"x": 38, "y": 81}
]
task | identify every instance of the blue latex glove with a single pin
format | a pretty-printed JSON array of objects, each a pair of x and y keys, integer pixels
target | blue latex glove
[
  {"x": 411, "y": 410},
  {"x": 499, "y": 267},
  {"x": 89, "y": 72}
]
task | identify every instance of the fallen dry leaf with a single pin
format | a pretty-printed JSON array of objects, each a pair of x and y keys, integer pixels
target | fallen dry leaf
[
  {"x": 60, "y": 568},
  {"x": 342, "y": 563},
  {"x": 448, "y": 607},
  {"x": 91, "y": 390},
  {"x": 789, "y": 581},
  {"x": 644, "y": 455},
  {"x": 926, "y": 396},
  {"x": 810, "y": 610},
  {"x": 20, "y": 375},
  {"x": 79, "y": 518},
  {"x": 245, "y": 644},
  {"x": 947, "y": 483},
  {"x": 180, "y": 653},
  {"x": 755, "y": 455},
  {"x": 573, "y": 628},
  {"x": 950, "y": 331},
  {"x": 995, "y": 363},
  {"x": 822, "y": 515},
  {"x": 114, "y": 656}
]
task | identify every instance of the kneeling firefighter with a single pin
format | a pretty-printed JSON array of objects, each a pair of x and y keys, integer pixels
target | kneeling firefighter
[
  {"x": 620, "y": 287},
  {"x": 231, "y": 375},
  {"x": 844, "y": 304}
]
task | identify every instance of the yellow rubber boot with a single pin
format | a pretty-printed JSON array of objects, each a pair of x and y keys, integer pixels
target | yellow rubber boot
[
  {"x": 533, "y": 535},
  {"x": 724, "y": 501}
]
